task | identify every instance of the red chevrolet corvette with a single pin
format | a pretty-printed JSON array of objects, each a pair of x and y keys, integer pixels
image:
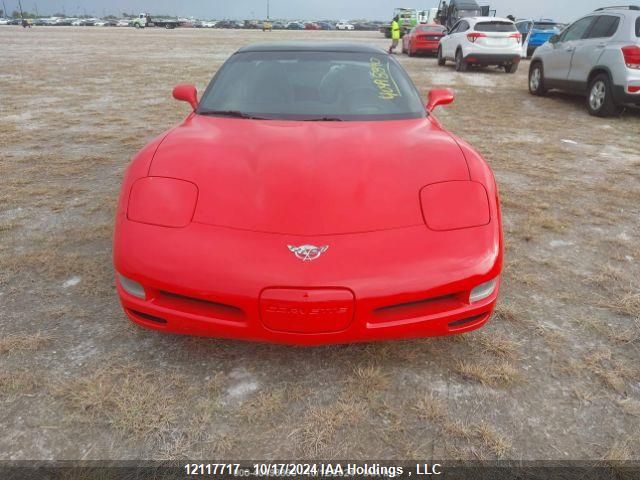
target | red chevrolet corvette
[{"x": 309, "y": 198}]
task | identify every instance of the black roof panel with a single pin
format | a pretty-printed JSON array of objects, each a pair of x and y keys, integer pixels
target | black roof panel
[{"x": 311, "y": 47}]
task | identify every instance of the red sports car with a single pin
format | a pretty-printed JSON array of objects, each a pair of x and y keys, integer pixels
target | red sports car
[
  {"x": 310, "y": 197},
  {"x": 422, "y": 39}
]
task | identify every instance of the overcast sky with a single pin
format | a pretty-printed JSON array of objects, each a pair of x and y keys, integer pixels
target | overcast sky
[{"x": 561, "y": 10}]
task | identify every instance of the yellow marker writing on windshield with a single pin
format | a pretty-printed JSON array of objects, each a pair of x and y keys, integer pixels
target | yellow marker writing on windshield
[{"x": 387, "y": 88}]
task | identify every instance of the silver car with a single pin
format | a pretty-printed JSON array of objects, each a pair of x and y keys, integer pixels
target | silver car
[{"x": 598, "y": 55}]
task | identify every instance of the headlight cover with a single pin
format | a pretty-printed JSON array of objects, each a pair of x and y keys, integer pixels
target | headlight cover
[
  {"x": 131, "y": 287},
  {"x": 162, "y": 201},
  {"x": 483, "y": 291},
  {"x": 455, "y": 205}
]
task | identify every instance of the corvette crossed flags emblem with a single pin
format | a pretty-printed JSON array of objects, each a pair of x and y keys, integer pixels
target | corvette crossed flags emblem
[{"x": 307, "y": 253}]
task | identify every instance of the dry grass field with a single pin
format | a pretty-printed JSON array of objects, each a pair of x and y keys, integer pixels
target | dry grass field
[{"x": 554, "y": 375}]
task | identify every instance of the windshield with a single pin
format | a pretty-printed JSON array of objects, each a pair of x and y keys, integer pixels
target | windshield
[
  {"x": 545, "y": 26},
  {"x": 307, "y": 85},
  {"x": 469, "y": 13},
  {"x": 495, "y": 26},
  {"x": 431, "y": 28}
]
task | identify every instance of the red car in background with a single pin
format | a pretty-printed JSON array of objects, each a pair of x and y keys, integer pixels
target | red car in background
[
  {"x": 422, "y": 39},
  {"x": 309, "y": 197}
]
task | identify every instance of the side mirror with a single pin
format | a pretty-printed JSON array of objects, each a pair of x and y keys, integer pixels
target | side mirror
[
  {"x": 186, "y": 93},
  {"x": 439, "y": 96},
  {"x": 554, "y": 39}
]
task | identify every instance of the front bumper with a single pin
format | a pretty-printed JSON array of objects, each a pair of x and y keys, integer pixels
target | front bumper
[{"x": 213, "y": 281}]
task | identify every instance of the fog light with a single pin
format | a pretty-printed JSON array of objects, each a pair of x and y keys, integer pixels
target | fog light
[
  {"x": 131, "y": 287},
  {"x": 483, "y": 291}
]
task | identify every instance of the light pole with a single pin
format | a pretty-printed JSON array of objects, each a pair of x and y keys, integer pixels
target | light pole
[
  {"x": 267, "y": 9},
  {"x": 4, "y": 10}
]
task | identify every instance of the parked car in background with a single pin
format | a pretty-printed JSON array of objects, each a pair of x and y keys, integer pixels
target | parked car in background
[
  {"x": 482, "y": 41},
  {"x": 366, "y": 26},
  {"x": 224, "y": 24},
  {"x": 535, "y": 33},
  {"x": 423, "y": 39},
  {"x": 278, "y": 26},
  {"x": 598, "y": 55},
  {"x": 4, "y": 21},
  {"x": 344, "y": 26},
  {"x": 106, "y": 23},
  {"x": 123, "y": 23},
  {"x": 311, "y": 26},
  {"x": 295, "y": 26},
  {"x": 56, "y": 21},
  {"x": 326, "y": 26},
  {"x": 251, "y": 24}
]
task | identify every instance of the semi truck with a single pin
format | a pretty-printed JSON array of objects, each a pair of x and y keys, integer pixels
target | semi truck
[
  {"x": 145, "y": 20},
  {"x": 450, "y": 12}
]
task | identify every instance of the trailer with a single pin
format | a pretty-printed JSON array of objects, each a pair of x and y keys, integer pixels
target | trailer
[{"x": 145, "y": 20}]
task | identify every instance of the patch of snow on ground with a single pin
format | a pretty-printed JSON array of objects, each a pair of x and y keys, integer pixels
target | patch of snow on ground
[
  {"x": 244, "y": 384},
  {"x": 71, "y": 282},
  {"x": 624, "y": 236},
  {"x": 479, "y": 80},
  {"x": 442, "y": 78},
  {"x": 560, "y": 243}
]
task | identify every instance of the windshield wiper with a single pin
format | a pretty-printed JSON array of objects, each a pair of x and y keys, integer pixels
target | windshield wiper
[
  {"x": 231, "y": 113},
  {"x": 323, "y": 119}
]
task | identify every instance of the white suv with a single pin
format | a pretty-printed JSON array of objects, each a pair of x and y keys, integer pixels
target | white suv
[
  {"x": 598, "y": 55},
  {"x": 482, "y": 41}
]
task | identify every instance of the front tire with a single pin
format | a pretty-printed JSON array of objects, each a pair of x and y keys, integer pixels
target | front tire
[
  {"x": 461, "y": 65},
  {"x": 441, "y": 60},
  {"x": 536, "y": 80},
  {"x": 600, "y": 102}
]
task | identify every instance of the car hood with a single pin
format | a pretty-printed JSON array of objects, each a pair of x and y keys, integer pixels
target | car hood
[{"x": 309, "y": 178}]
